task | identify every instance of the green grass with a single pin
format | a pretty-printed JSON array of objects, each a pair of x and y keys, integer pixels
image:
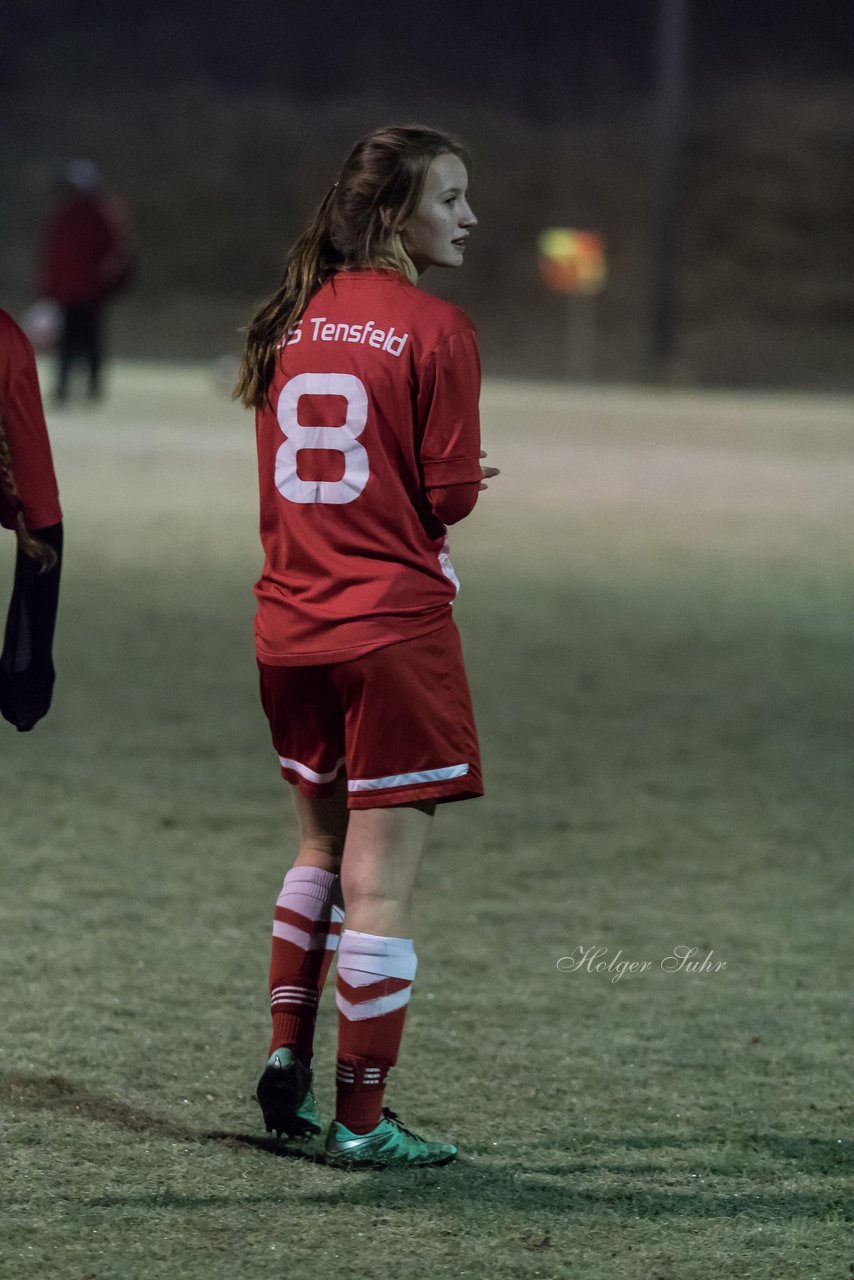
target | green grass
[{"x": 662, "y": 675}]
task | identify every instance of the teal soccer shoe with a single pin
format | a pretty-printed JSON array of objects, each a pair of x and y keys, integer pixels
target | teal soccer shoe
[
  {"x": 286, "y": 1097},
  {"x": 390, "y": 1145}
]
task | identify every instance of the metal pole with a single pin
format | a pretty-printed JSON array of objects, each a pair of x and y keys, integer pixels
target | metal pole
[
  {"x": 580, "y": 335},
  {"x": 669, "y": 129}
]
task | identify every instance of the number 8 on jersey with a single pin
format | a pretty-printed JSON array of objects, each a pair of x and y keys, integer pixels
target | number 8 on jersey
[{"x": 343, "y": 439}]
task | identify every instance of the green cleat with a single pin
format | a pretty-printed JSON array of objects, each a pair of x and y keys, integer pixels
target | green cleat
[
  {"x": 390, "y": 1145},
  {"x": 286, "y": 1097}
]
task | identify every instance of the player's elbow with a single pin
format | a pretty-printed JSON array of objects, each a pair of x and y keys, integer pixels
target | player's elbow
[{"x": 452, "y": 503}]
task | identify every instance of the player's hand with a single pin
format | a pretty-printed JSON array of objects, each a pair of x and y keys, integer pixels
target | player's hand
[{"x": 487, "y": 472}]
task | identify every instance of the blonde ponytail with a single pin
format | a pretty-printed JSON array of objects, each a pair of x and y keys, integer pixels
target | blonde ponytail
[{"x": 308, "y": 266}]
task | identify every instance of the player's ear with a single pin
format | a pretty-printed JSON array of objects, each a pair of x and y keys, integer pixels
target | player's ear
[{"x": 386, "y": 217}]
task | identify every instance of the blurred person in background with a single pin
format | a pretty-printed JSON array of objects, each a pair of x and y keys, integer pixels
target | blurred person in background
[
  {"x": 87, "y": 258},
  {"x": 29, "y": 505}
]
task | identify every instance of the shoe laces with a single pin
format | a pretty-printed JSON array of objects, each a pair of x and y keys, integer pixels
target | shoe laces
[{"x": 393, "y": 1117}]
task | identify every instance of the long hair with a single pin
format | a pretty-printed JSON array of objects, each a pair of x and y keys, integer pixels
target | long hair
[
  {"x": 39, "y": 551},
  {"x": 357, "y": 224}
]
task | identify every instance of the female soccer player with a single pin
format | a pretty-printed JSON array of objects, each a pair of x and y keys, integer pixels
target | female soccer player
[
  {"x": 29, "y": 504},
  {"x": 366, "y": 397}
]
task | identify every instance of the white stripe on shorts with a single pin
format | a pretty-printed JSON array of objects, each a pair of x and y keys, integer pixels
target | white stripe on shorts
[
  {"x": 309, "y": 774},
  {"x": 407, "y": 779}
]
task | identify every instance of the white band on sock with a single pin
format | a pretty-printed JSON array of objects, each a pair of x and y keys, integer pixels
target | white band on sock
[{"x": 380, "y": 957}]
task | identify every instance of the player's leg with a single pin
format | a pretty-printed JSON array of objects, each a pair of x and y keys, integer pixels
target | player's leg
[
  {"x": 376, "y": 961},
  {"x": 308, "y": 920},
  {"x": 383, "y": 852},
  {"x": 411, "y": 744},
  {"x": 376, "y": 969},
  {"x": 308, "y": 913},
  {"x": 322, "y": 824}
]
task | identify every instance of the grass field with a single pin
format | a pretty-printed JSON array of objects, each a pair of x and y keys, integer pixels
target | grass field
[{"x": 657, "y": 611}]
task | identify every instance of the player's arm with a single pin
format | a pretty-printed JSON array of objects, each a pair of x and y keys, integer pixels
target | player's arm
[
  {"x": 454, "y": 502},
  {"x": 29, "y": 503},
  {"x": 449, "y": 446}
]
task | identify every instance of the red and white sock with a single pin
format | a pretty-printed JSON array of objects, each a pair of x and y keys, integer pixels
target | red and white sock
[
  {"x": 375, "y": 976},
  {"x": 305, "y": 937}
]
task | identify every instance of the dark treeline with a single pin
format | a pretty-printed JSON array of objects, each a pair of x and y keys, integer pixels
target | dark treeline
[
  {"x": 221, "y": 176},
  {"x": 546, "y": 61}
]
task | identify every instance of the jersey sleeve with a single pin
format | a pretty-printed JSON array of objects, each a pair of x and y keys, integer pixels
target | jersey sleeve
[
  {"x": 448, "y": 415},
  {"x": 452, "y": 503},
  {"x": 26, "y": 434}
]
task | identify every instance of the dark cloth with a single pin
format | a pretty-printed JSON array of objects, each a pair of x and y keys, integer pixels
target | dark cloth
[{"x": 26, "y": 663}]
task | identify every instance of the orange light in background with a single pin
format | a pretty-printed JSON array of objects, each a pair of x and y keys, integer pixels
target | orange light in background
[{"x": 572, "y": 261}]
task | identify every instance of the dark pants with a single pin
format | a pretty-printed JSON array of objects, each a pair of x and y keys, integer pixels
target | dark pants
[{"x": 81, "y": 342}]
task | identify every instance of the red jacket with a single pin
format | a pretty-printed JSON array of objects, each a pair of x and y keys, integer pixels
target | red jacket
[{"x": 86, "y": 252}]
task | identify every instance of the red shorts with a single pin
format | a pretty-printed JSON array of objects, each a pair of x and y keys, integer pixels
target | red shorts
[{"x": 398, "y": 721}]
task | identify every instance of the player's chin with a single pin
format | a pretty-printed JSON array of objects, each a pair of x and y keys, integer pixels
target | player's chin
[{"x": 455, "y": 257}]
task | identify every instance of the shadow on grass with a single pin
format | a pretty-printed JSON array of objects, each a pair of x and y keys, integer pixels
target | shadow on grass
[
  {"x": 54, "y": 1093},
  {"x": 518, "y": 1187}
]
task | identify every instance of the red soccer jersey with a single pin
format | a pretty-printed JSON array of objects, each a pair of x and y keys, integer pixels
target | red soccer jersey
[
  {"x": 375, "y": 400},
  {"x": 26, "y": 434}
]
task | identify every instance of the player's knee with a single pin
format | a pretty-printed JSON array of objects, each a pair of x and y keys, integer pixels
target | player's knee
[
  {"x": 321, "y": 851},
  {"x": 369, "y": 910},
  {"x": 365, "y": 890}
]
